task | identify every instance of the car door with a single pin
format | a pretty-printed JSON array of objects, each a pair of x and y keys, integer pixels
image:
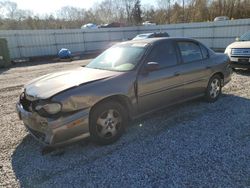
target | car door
[
  {"x": 159, "y": 87},
  {"x": 195, "y": 68}
]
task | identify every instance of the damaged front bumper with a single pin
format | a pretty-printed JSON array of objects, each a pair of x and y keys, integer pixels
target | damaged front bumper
[{"x": 54, "y": 132}]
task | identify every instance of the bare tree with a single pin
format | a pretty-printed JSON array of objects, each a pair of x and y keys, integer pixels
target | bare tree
[
  {"x": 148, "y": 13},
  {"x": 9, "y": 9},
  {"x": 165, "y": 7},
  {"x": 70, "y": 13},
  {"x": 176, "y": 13},
  {"x": 104, "y": 11},
  {"x": 128, "y": 12},
  {"x": 137, "y": 13},
  {"x": 128, "y": 5}
]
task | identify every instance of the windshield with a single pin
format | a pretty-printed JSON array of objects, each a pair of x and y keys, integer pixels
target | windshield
[
  {"x": 245, "y": 37},
  {"x": 119, "y": 58}
]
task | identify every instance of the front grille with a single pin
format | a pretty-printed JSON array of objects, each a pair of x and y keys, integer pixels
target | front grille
[
  {"x": 27, "y": 105},
  {"x": 241, "y": 52}
]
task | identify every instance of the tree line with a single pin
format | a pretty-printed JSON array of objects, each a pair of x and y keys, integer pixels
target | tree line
[{"x": 127, "y": 12}]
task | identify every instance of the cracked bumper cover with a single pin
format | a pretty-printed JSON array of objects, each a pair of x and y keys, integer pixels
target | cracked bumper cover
[{"x": 53, "y": 132}]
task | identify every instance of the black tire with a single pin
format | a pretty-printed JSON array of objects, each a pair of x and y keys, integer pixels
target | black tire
[
  {"x": 108, "y": 129},
  {"x": 213, "y": 90}
]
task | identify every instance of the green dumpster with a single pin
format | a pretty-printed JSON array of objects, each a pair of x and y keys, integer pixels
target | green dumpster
[{"x": 4, "y": 54}]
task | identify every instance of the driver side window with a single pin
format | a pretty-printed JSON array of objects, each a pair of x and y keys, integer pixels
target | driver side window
[{"x": 164, "y": 54}]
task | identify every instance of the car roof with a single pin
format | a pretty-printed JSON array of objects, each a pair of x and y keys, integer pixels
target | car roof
[
  {"x": 155, "y": 40},
  {"x": 145, "y": 34},
  {"x": 155, "y": 33}
]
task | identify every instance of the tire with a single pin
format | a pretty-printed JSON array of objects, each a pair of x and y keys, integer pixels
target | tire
[
  {"x": 213, "y": 90},
  {"x": 107, "y": 122}
]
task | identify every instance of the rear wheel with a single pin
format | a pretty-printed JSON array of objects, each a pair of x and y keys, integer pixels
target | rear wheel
[
  {"x": 107, "y": 122},
  {"x": 213, "y": 91}
]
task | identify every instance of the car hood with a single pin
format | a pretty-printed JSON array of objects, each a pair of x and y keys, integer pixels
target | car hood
[
  {"x": 240, "y": 44},
  {"x": 51, "y": 84}
]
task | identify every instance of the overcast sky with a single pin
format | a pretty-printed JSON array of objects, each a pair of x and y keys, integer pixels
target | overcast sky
[{"x": 50, "y": 6}]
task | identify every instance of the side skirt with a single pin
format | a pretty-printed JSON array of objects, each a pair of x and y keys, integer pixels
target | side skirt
[{"x": 167, "y": 105}]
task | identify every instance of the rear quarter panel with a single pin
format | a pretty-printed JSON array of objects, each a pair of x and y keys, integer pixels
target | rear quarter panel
[{"x": 221, "y": 64}]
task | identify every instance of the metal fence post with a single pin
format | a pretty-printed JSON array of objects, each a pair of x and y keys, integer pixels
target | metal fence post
[
  {"x": 123, "y": 36},
  {"x": 109, "y": 31},
  {"x": 18, "y": 45},
  {"x": 212, "y": 45},
  {"x": 84, "y": 45},
  {"x": 137, "y": 30},
  {"x": 54, "y": 34}
]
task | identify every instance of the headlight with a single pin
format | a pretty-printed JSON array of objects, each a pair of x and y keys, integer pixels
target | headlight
[
  {"x": 228, "y": 51},
  {"x": 51, "y": 108}
]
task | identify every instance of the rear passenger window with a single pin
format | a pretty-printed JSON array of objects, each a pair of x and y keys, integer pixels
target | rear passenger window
[
  {"x": 163, "y": 53},
  {"x": 204, "y": 52},
  {"x": 190, "y": 51}
]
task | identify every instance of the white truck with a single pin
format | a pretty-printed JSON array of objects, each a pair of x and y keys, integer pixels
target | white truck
[{"x": 239, "y": 52}]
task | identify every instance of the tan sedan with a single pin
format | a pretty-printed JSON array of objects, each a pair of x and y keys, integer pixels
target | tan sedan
[{"x": 126, "y": 81}]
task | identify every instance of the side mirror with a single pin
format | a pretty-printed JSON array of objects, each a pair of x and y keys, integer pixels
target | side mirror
[
  {"x": 152, "y": 66},
  {"x": 237, "y": 39}
]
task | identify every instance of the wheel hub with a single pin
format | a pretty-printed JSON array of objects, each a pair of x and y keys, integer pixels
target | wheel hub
[
  {"x": 215, "y": 88},
  {"x": 108, "y": 122}
]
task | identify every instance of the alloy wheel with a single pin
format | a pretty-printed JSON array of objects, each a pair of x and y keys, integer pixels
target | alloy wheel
[
  {"x": 108, "y": 123},
  {"x": 215, "y": 88}
]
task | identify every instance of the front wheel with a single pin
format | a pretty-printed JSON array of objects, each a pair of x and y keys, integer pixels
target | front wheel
[
  {"x": 213, "y": 91},
  {"x": 107, "y": 122}
]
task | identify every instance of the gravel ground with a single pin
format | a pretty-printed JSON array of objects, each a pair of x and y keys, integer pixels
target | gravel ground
[{"x": 194, "y": 144}]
